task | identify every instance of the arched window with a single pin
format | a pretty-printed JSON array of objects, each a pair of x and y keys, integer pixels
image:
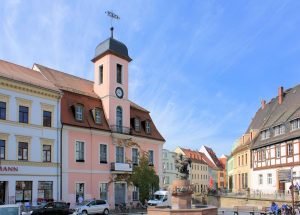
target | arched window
[{"x": 119, "y": 121}]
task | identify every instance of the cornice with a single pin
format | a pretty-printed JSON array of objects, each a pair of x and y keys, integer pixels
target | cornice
[{"x": 29, "y": 89}]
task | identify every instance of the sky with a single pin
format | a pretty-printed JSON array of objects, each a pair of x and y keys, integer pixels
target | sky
[{"x": 200, "y": 67}]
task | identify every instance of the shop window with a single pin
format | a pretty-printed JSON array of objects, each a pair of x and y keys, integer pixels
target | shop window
[
  {"x": 45, "y": 190},
  {"x": 23, "y": 191}
]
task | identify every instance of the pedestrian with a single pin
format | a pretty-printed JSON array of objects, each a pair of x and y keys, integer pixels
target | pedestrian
[{"x": 80, "y": 199}]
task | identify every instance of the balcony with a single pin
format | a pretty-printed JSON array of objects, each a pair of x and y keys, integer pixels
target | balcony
[
  {"x": 120, "y": 129},
  {"x": 121, "y": 167}
]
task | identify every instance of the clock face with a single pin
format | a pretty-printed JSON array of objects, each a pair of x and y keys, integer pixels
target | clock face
[{"x": 119, "y": 92}]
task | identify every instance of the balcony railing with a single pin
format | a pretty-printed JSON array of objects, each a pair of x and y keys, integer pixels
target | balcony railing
[
  {"x": 120, "y": 129},
  {"x": 122, "y": 167}
]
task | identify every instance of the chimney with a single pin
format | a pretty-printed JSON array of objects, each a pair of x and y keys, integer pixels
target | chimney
[
  {"x": 263, "y": 104},
  {"x": 280, "y": 95}
]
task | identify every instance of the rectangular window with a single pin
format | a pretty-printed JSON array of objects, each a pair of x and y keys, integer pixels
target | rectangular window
[
  {"x": 295, "y": 124},
  {"x": 2, "y": 149},
  {"x": 148, "y": 128},
  {"x": 246, "y": 157},
  {"x": 98, "y": 119},
  {"x": 260, "y": 179},
  {"x": 79, "y": 112},
  {"x": 101, "y": 74},
  {"x": 246, "y": 180},
  {"x": 135, "y": 193},
  {"x": 265, "y": 134},
  {"x": 242, "y": 160},
  {"x": 45, "y": 189},
  {"x": 46, "y": 153},
  {"x": 119, "y": 73},
  {"x": 278, "y": 152},
  {"x": 47, "y": 118},
  {"x": 137, "y": 126},
  {"x": 151, "y": 155},
  {"x": 290, "y": 149},
  {"x": 263, "y": 152},
  {"x": 104, "y": 191},
  {"x": 259, "y": 155},
  {"x": 239, "y": 161},
  {"x": 279, "y": 129},
  {"x": 3, "y": 110},
  {"x": 167, "y": 180},
  {"x": 171, "y": 166},
  {"x": 23, "y": 191},
  {"x": 269, "y": 178},
  {"x": 135, "y": 156},
  {"x": 23, "y": 114},
  {"x": 119, "y": 154},
  {"x": 103, "y": 153},
  {"x": 79, "y": 191},
  {"x": 23, "y": 151},
  {"x": 79, "y": 151}
]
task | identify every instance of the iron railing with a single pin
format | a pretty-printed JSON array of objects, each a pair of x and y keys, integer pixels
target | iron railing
[{"x": 120, "y": 129}]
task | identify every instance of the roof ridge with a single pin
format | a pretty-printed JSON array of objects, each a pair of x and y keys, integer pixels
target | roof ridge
[{"x": 68, "y": 74}]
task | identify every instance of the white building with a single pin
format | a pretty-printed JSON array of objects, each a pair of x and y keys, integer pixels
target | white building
[
  {"x": 169, "y": 171},
  {"x": 277, "y": 145},
  {"x": 29, "y": 136}
]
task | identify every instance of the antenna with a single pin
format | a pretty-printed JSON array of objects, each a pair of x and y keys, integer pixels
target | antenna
[{"x": 113, "y": 16}]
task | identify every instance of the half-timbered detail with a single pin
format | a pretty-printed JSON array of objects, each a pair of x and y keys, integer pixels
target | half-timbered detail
[{"x": 277, "y": 145}]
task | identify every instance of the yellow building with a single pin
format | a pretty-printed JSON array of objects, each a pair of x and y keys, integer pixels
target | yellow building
[{"x": 241, "y": 158}]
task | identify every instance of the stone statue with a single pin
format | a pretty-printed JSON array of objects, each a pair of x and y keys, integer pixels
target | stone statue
[{"x": 181, "y": 164}]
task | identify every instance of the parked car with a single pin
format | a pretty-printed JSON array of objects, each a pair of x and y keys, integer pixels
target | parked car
[
  {"x": 160, "y": 198},
  {"x": 92, "y": 207},
  {"x": 11, "y": 209},
  {"x": 52, "y": 208}
]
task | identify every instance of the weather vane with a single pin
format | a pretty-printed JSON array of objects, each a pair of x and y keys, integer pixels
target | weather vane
[{"x": 113, "y": 16}]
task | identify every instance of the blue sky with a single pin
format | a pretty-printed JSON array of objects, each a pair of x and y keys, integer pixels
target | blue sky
[{"x": 200, "y": 67}]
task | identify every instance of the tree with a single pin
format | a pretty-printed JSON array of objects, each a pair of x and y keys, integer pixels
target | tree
[{"x": 144, "y": 177}]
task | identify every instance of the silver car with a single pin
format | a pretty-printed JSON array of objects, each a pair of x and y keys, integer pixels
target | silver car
[
  {"x": 11, "y": 209},
  {"x": 92, "y": 207}
]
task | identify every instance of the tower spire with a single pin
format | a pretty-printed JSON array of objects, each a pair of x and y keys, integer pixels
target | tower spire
[{"x": 112, "y": 15}]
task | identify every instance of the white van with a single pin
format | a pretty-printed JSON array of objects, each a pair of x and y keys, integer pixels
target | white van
[{"x": 160, "y": 198}]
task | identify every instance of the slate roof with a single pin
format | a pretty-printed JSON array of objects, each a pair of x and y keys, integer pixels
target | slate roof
[
  {"x": 80, "y": 90},
  {"x": 113, "y": 46},
  {"x": 275, "y": 114},
  {"x": 25, "y": 75}
]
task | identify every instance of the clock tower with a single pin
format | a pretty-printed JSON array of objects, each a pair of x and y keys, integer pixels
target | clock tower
[{"x": 111, "y": 82}]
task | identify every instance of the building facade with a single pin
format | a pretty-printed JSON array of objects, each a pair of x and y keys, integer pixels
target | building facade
[
  {"x": 170, "y": 173},
  {"x": 200, "y": 170},
  {"x": 217, "y": 171},
  {"x": 103, "y": 132},
  {"x": 277, "y": 146},
  {"x": 29, "y": 136}
]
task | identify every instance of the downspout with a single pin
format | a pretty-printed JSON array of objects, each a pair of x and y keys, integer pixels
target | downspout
[{"x": 61, "y": 129}]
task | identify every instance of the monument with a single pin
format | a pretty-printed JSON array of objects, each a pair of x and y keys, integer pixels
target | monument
[{"x": 181, "y": 191}]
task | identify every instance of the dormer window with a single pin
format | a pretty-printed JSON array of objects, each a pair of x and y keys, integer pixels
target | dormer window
[
  {"x": 97, "y": 115},
  {"x": 137, "y": 124},
  {"x": 279, "y": 129},
  {"x": 79, "y": 112},
  {"x": 265, "y": 134},
  {"x": 295, "y": 124},
  {"x": 147, "y": 127}
]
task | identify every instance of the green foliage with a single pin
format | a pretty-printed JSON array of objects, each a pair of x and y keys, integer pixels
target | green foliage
[{"x": 145, "y": 178}]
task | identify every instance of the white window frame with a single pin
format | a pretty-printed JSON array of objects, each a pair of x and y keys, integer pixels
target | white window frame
[
  {"x": 147, "y": 127},
  {"x": 79, "y": 112},
  {"x": 269, "y": 178},
  {"x": 123, "y": 159},
  {"x": 137, "y": 155},
  {"x": 278, "y": 151},
  {"x": 84, "y": 151},
  {"x": 106, "y": 153},
  {"x": 98, "y": 116},
  {"x": 137, "y": 124},
  {"x": 151, "y": 163}
]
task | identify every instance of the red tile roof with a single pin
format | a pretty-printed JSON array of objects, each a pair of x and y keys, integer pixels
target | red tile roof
[
  {"x": 214, "y": 157},
  {"x": 25, "y": 75},
  {"x": 81, "y": 91},
  {"x": 198, "y": 155}
]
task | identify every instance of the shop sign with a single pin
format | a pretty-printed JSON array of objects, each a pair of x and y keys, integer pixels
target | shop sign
[
  {"x": 9, "y": 169},
  {"x": 285, "y": 175}
]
